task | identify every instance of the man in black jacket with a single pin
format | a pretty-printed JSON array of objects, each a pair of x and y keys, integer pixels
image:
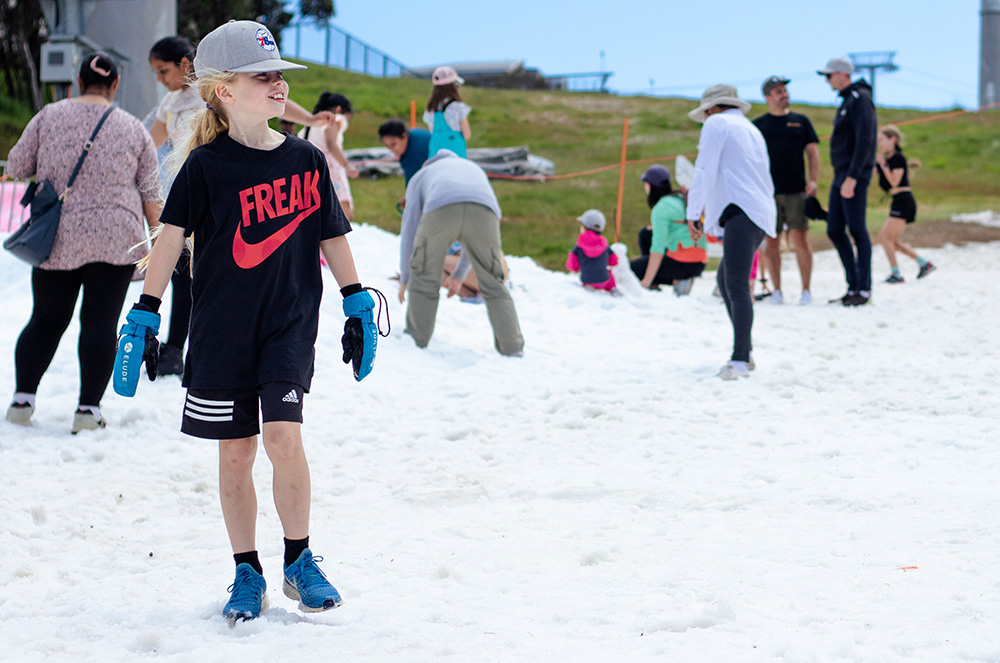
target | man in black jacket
[{"x": 852, "y": 155}]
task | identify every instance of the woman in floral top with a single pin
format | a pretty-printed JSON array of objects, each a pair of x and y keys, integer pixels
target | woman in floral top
[{"x": 102, "y": 220}]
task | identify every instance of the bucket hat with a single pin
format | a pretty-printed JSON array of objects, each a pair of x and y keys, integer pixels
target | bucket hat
[
  {"x": 240, "y": 47},
  {"x": 446, "y": 75},
  {"x": 715, "y": 95}
]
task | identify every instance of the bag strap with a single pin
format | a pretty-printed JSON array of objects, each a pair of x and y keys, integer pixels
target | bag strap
[{"x": 86, "y": 149}]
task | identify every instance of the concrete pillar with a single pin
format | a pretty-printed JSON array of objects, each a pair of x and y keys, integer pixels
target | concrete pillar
[
  {"x": 132, "y": 27},
  {"x": 989, "y": 55},
  {"x": 129, "y": 27}
]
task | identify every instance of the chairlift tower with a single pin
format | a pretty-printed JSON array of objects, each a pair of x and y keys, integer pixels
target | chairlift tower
[
  {"x": 989, "y": 55},
  {"x": 873, "y": 61}
]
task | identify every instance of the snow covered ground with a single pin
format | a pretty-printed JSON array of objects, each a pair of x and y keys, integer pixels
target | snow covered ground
[
  {"x": 985, "y": 218},
  {"x": 603, "y": 498}
]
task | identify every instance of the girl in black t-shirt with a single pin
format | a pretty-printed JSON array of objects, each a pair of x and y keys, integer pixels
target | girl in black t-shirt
[
  {"x": 260, "y": 207},
  {"x": 893, "y": 178}
]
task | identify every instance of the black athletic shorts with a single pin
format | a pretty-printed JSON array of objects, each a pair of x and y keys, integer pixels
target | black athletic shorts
[
  {"x": 904, "y": 206},
  {"x": 230, "y": 414}
]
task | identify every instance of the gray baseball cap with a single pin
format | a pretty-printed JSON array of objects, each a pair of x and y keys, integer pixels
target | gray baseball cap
[
  {"x": 593, "y": 219},
  {"x": 835, "y": 65},
  {"x": 240, "y": 47}
]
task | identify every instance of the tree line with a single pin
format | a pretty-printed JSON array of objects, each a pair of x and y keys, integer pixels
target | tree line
[{"x": 23, "y": 31}]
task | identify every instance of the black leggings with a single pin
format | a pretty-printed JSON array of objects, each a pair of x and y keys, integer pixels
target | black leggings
[
  {"x": 739, "y": 242},
  {"x": 55, "y": 293},
  {"x": 670, "y": 270}
]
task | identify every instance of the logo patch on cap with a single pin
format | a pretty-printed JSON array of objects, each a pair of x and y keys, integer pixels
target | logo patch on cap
[{"x": 265, "y": 40}]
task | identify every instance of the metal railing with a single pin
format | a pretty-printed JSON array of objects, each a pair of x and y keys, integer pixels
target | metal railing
[
  {"x": 582, "y": 82},
  {"x": 327, "y": 44},
  {"x": 12, "y": 215}
]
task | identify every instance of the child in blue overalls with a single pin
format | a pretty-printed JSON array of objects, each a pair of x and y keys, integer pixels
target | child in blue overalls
[{"x": 447, "y": 116}]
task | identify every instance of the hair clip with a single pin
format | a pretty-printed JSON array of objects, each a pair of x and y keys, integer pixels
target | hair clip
[
  {"x": 93, "y": 65},
  {"x": 209, "y": 107}
]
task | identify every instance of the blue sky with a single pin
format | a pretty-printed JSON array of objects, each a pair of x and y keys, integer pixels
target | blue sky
[{"x": 679, "y": 48}]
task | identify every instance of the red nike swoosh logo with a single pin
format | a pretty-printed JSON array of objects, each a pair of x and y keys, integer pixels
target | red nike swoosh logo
[{"x": 249, "y": 256}]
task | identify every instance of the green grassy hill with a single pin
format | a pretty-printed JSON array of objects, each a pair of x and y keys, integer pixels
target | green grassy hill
[{"x": 580, "y": 131}]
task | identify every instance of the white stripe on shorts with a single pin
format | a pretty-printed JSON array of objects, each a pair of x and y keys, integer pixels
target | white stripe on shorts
[
  {"x": 210, "y": 410},
  {"x": 204, "y": 401},
  {"x": 202, "y": 417}
]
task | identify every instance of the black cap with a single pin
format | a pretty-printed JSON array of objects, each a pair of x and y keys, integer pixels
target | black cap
[{"x": 773, "y": 82}]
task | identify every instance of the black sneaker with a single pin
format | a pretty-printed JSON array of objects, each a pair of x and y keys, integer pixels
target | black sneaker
[
  {"x": 856, "y": 299},
  {"x": 842, "y": 300},
  {"x": 171, "y": 361},
  {"x": 925, "y": 270},
  {"x": 895, "y": 278}
]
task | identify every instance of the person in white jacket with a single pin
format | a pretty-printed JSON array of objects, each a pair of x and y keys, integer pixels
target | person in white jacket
[
  {"x": 732, "y": 188},
  {"x": 450, "y": 199}
]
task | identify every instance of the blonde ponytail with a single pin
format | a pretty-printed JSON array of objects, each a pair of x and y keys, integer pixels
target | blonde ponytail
[{"x": 205, "y": 126}]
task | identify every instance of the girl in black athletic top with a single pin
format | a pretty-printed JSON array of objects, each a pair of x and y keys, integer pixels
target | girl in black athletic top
[{"x": 893, "y": 177}]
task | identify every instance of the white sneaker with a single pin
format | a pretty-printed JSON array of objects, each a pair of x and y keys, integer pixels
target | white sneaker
[
  {"x": 806, "y": 298},
  {"x": 20, "y": 413},
  {"x": 87, "y": 419},
  {"x": 776, "y": 298},
  {"x": 733, "y": 370}
]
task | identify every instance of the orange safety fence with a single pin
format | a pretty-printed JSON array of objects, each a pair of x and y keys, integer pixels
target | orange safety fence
[
  {"x": 10, "y": 211},
  {"x": 631, "y": 162}
]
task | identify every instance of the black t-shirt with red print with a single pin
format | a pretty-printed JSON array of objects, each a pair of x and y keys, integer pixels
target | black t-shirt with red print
[{"x": 257, "y": 218}]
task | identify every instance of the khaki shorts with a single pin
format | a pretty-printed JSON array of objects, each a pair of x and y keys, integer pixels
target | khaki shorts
[{"x": 791, "y": 211}]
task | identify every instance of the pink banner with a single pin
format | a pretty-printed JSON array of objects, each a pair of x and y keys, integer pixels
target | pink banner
[{"x": 12, "y": 215}]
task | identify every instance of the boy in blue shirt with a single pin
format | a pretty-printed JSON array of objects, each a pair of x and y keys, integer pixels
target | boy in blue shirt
[{"x": 410, "y": 145}]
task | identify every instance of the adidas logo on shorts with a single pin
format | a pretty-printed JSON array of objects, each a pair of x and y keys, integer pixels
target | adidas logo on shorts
[{"x": 291, "y": 397}]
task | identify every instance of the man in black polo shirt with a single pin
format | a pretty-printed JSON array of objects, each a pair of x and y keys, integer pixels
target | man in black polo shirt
[{"x": 788, "y": 135}]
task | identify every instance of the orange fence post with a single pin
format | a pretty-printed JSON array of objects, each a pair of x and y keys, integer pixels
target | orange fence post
[
  {"x": 621, "y": 181},
  {"x": 413, "y": 113}
]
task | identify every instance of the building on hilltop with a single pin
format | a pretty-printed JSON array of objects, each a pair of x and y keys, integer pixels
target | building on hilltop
[{"x": 512, "y": 74}]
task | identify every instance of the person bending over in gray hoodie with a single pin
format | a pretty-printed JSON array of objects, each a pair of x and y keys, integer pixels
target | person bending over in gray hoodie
[{"x": 450, "y": 199}]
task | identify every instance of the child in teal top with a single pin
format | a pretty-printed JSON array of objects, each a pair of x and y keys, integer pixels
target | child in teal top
[{"x": 447, "y": 115}]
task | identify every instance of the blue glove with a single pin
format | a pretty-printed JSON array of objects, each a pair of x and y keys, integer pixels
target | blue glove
[
  {"x": 136, "y": 344},
  {"x": 360, "y": 333}
]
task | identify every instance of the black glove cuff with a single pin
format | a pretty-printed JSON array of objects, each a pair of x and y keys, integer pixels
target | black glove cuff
[
  {"x": 149, "y": 303},
  {"x": 352, "y": 289}
]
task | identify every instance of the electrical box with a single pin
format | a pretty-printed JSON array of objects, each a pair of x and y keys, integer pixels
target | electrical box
[{"x": 60, "y": 62}]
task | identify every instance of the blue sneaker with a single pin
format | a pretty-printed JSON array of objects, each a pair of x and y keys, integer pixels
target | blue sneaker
[
  {"x": 249, "y": 595},
  {"x": 305, "y": 583}
]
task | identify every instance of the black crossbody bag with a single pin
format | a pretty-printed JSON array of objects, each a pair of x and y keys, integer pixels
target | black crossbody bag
[{"x": 32, "y": 242}]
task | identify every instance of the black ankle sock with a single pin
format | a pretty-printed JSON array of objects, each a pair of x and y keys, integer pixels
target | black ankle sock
[
  {"x": 249, "y": 558},
  {"x": 294, "y": 548}
]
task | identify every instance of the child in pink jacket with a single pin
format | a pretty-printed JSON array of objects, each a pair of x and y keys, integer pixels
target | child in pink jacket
[{"x": 592, "y": 256}]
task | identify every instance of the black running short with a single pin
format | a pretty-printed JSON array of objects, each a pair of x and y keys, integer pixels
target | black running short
[
  {"x": 230, "y": 414},
  {"x": 904, "y": 206}
]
